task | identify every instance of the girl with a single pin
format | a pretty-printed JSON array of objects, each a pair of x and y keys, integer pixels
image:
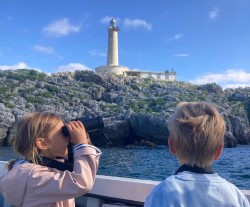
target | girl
[{"x": 28, "y": 183}]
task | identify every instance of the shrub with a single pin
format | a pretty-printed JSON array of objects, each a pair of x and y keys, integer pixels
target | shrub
[
  {"x": 9, "y": 105},
  {"x": 52, "y": 89},
  {"x": 35, "y": 99},
  {"x": 26, "y": 74}
]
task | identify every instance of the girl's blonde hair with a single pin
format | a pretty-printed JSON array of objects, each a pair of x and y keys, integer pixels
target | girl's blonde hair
[
  {"x": 197, "y": 131},
  {"x": 28, "y": 129}
]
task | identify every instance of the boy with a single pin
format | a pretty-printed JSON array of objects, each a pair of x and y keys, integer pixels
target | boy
[{"x": 197, "y": 138}]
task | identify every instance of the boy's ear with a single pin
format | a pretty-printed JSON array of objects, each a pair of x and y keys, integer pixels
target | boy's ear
[
  {"x": 219, "y": 151},
  {"x": 41, "y": 143},
  {"x": 171, "y": 146}
]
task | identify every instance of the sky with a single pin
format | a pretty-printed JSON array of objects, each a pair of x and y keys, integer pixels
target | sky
[{"x": 202, "y": 41}]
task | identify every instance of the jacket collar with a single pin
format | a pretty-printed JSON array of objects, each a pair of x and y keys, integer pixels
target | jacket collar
[{"x": 195, "y": 169}]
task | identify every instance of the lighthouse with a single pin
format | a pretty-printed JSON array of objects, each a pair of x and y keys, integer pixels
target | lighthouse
[
  {"x": 112, "y": 43},
  {"x": 112, "y": 54}
]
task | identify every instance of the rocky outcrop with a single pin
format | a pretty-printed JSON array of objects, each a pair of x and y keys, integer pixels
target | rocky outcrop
[
  {"x": 240, "y": 130},
  {"x": 230, "y": 140},
  {"x": 7, "y": 121},
  {"x": 135, "y": 111},
  {"x": 149, "y": 128}
]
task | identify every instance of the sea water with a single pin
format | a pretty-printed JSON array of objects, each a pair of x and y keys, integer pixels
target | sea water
[{"x": 158, "y": 163}]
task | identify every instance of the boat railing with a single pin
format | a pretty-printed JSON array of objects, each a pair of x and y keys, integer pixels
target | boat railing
[
  {"x": 117, "y": 191},
  {"x": 109, "y": 191}
]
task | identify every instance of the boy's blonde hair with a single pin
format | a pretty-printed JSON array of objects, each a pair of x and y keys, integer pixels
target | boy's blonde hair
[
  {"x": 196, "y": 131},
  {"x": 30, "y": 127}
]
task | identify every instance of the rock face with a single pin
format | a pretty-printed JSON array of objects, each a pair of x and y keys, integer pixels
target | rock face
[
  {"x": 134, "y": 110},
  {"x": 149, "y": 128},
  {"x": 230, "y": 140},
  {"x": 7, "y": 120}
]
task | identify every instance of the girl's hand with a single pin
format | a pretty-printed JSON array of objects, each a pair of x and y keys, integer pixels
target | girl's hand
[{"x": 77, "y": 132}]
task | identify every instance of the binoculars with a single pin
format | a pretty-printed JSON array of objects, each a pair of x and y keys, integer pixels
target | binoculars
[{"x": 90, "y": 124}]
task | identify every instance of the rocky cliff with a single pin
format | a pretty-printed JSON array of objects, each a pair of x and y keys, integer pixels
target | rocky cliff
[{"x": 135, "y": 111}]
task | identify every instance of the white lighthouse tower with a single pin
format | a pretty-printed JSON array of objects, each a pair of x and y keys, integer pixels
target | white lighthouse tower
[
  {"x": 112, "y": 43},
  {"x": 112, "y": 56}
]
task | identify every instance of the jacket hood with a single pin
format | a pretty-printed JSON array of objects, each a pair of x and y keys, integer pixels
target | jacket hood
[{"x": 13, "y": 185}]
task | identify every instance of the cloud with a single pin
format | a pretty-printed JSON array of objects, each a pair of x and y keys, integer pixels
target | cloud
[
  {"x": 232, "y": 78},
  {"x": 213, "y": 14},
  {"x": 20, "y": 65},
  {"x": 128, "y": 23},
  {"x": 236, "y": 85},
  {"x": 43, "y": 49},
  {"x": 181, "y": 55},
  {"x": 97, "y": 53},
  {"x": 60, "y": 28},
  {"x": 137, "y": 23},
  {"x": 72, "y": 67},
  {"x": 175, "y": 37}
]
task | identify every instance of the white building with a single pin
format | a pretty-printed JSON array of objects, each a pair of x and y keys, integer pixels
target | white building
[{"x": 168, "y": 76}]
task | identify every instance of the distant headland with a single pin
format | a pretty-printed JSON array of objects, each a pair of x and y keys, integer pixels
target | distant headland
[{"x": 135, "y": 110}]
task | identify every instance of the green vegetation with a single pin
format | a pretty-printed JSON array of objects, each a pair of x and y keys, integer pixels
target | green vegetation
[
  {"x": 52, "y": 89},
  {"x": 150, "y": 105},
  {"x": 139, "y": 105},
  {"x": 110, "y": 107},
  {"x": 88, "y": 84},
  {"x": 26, "y": 92},
  {"x": 2, "y": 73},
  {"x": 36, "y": 100},
  {"x": 9, "y": 104},
  {"x": 26, "y": 74},
  {"x": 44, "y": 94},
  {"x": 5, "y": 88}
]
